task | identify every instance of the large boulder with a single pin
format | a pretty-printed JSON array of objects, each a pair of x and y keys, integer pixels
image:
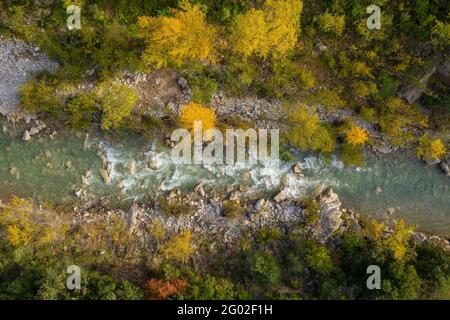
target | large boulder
[
  {"x": 443, "y": 72},
  {"x": 412, "y": 92},
  {"x": 329, "y": 213}
]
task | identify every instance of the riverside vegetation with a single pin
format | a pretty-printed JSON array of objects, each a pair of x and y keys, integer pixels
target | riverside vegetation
[{"x": 331, "y": 85}]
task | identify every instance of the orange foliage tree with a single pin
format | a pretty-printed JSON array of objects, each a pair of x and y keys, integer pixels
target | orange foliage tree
[{"x": 158, "y": 289}]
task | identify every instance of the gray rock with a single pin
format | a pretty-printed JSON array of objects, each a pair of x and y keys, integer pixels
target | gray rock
[
  {"x": 431, "y": 161},
  {"x": 153, "y": 164},
  {"x": 34, "y": 130},
  {"x": 26, "y": 136},
  {"x": 133, "y": 214},
  {"x": 19, "y": 62},
  {"x": 378, "y": 190},
  {"x": 412, "y": 92},
  {"x": 330, "y": 213},
  {"x": 259, "y": 205},
  {"x": 104, "y": 174},
  {"x": 199, "y": 190},
  {"x": 280, "y": 197},
  {"x": 443, "y": 71},
  {"x": 297, "y": 170},
  {"x": 236, "y": 195},
  {"x": 182, "y": 82},
  {"x": 445, "y": 168}
]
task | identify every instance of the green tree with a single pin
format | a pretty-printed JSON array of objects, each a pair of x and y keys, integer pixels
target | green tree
[{"x": 116, "y": 102}]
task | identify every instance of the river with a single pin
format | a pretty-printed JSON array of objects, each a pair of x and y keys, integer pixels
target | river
[{"x": 51, "y": 170}]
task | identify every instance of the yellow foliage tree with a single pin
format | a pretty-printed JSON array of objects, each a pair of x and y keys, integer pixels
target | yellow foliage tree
[
  {"x": 25, "y": 225},
  {"x": 397, "y": 118},
  {"x": 179, "y": 248},
  {"x": 272, "y": 30},
  {"x": 330, "y": 23},
  {"x": 397, "y": 242},
  {"x": 431, "y": 148},
  {"x": 356, "y": 136},
  {"x": 195, "y": 112},
  {"x": 307, "y": 133},
  {"x": 179, "y": 39}
]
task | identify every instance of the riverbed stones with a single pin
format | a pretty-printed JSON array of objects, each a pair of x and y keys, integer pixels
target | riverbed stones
[
  {"x": 132, "y": 218},
  {"x": 259, "y": 205},
  {"x": 235, "y": 195},
  {"x": 280, "y": 197},
  {"x": 445, "y": 167},
  {"x": 296, "y": 169},
  {"x": 19, "y": 62},
  {"x": 182, "y": 82},
  {"x": 199, "y": 190},
  {"x": 131, "y": 166},
  {"x": 378, "y": 190},
  {"x": 26, "y": 136},
  {"x": 34, "y": 131},
  {"x": 104, "y": 174},
  {"x": 153, "y": 164}
]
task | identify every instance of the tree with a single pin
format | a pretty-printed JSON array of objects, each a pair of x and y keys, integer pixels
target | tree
[
  {"x": 398, "y": 242},
  {"x": 318, "y": 259},
  {"x": 307, "y": 133},
  {"x": 160, "y": 289},
  {"x": 179, "y": 248},
  {"x": 39, "y": 95},
  {"x": 196, "y": 112},
  {"x": 430, "y": 148},
  {"x": 356, "y": 136},
  {"x": 329, "y": 23},
  {"x": 272, "y": 30},
  {"x": 117, "y": 101},
  {"x": 396, "y": 120},
  {"x": 265, "y": 266},
  {"x": 179, "y": 39}
]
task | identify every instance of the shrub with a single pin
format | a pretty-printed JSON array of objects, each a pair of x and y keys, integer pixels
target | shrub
[
  {"x": 195, "y": 112},
  {"x": 81, "y": 110},
  {"x": 356, "y": 136},
  {"x": 329, "y": 23},
  {"x": 160, "y": 289},
  {"x": 272, "y": 30},
  {"x": 307, "y": 80},
  {"x": 441, "y": 34},
  {"x": 318, "y": 259},
  {"x": 311, "y": 210},
  {"x": 179, "y": 248},
  {"x": 307, "y": 133},
  {"x": 40, "y": 96},
  {"x": 364, "y": 89},
  {"x": 232, "y": 209},
  {"x": 179, "y": 39},
  {"x": 368, "y": 114},
  {"x": 265, "y": 267},
  {"x": 116, "y": 102},
  {"x": 387, "y": 85},
  {"x": 431, "y": 148},
  {"x": 351, "y": 155},
  {"x": 396, "y": 121}
]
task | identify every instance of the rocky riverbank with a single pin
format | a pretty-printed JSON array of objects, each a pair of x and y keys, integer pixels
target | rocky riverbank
[
  {"x": 19, "y": 62},
  {"x": 206, "y": 218}
]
